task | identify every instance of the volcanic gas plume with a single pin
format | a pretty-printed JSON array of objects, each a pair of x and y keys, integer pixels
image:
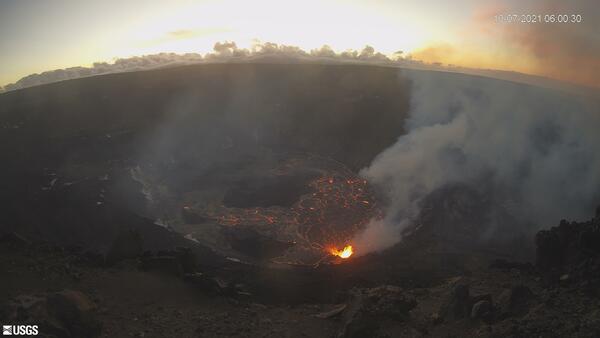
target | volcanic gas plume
[{"x": 532, "y": 152}]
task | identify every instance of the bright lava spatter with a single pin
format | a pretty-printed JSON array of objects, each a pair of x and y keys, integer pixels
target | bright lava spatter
[
  {"x": 339, "y": 205},
  {"x": 346, "y": 252}
]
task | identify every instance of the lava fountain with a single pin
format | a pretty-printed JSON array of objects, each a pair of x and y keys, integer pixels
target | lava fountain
[{"x": 346, "y": 252}]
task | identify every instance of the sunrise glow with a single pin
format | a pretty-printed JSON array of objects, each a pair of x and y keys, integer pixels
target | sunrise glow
[{"x": 461, "y": 33}]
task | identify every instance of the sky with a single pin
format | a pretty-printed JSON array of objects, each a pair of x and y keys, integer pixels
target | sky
[{"x": 41, "y": 35}]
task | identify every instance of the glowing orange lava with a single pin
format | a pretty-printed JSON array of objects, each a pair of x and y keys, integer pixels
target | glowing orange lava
[
  {"x": 344, "y": 253},
  {"x": 336, "y": 205}
]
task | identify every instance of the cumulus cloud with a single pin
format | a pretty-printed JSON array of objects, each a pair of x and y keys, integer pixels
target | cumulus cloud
[
  {"x": 324, "y": 51},
  {"x": 228, "y": 49},
  {"x": 119, "y": 65},
  {"x": 535, "y": 151}
]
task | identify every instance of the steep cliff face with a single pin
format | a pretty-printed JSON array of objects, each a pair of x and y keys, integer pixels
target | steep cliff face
[
  {"x": 72, "y": 147},
  {"x": 570, "y": 253}
]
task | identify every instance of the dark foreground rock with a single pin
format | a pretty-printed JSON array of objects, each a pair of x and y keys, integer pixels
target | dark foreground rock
[
  {"x": 128, "y": 244},
  {"x": 515, "y": 300},
  {"x": 367, "y": 308},
  {"x": 66, "y": 313},
  {"x": 569, "y": 254}
]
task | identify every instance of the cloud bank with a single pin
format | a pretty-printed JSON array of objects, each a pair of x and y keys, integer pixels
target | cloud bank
[
  {"x": 222, "y": 52},
  {"x": 533, "y": 152}
]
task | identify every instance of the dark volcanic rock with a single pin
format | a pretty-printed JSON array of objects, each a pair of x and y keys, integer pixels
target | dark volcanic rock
[
  {"x": 191, "y": 217},
  {"x": 68, "y": 167},
  {"x": 211, "y": 284},
  {"x": 66, "y": 313},
  {"x": 127, "y": 245},
  {"x": 481, "y": 309},
  {"x": 515, "y": 300},
  {"x": 187, "y": 259},
  {"x": 253, "y": 244},
  {"x": 180, "y": 260},
  {"x": 15, "y": 241},
  {"x": 266, "y": 191},
  {"x": 75, "y": 310},
  {"x": 163, "y": 264},
  {"x": 507, "y": 265},
  {"x": 570, "y": 249},
  {"x": 459, "y": 303},
  {"x": 368, "y": 307}
]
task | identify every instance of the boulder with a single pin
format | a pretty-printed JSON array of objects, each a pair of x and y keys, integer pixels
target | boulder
[
  {"x": 368, "y": 307},
  {"x": 571, "y": 248},
  {"x": 458, "y": 305},
  {"x": 564, "y": 279},
  {"x": 481, "y": 310},
  {"x": 66, "y": 313},
  {"x": 514, "y": 301},
  {"x": 76, "y": 311}
]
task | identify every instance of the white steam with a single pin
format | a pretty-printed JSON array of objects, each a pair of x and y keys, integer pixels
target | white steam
[{"x": 537, "y": 149}]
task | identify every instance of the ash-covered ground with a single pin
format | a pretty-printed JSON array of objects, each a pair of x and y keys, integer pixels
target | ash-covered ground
[{"x": 206, "y": 201}]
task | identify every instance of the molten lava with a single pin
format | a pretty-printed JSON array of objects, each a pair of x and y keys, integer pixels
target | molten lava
[
  {"x": 338, "y": 205},
  {"x": 344, "y": 253}
]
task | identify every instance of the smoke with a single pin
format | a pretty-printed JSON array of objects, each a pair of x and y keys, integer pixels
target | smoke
[
  {"x": 533, "y": 151},
  {"x": 569, "y": 53},
  {"x": 566, "y": 51}
]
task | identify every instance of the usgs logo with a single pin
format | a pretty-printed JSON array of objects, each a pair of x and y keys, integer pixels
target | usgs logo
[{"x": 19, "y": 330}]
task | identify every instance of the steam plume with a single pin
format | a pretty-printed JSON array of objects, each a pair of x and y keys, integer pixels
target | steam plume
[{"x": 538, "y": 150}]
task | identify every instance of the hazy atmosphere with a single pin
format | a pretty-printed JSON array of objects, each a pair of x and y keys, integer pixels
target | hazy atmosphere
[
  {"x": 40, "y": 36},
  {"x": 319, "y": 168}
]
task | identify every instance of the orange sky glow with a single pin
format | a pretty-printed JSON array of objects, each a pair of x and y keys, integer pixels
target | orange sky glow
[{"x": 41, "y": 36}]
